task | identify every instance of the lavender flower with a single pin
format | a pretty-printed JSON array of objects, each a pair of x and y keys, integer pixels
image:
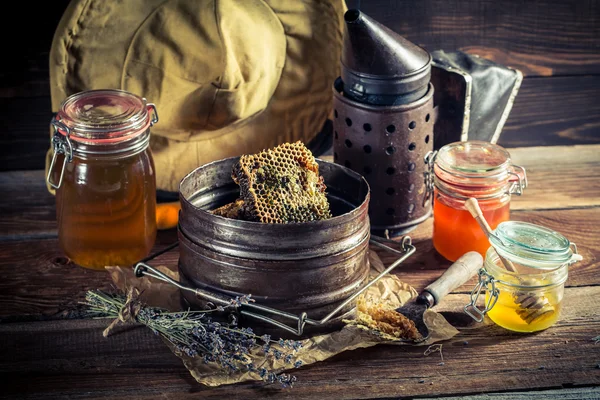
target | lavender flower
[{"x": 196, "y": 334}]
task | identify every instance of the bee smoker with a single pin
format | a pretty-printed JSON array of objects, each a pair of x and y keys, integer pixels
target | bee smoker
[{"x": 383, "y": 121}]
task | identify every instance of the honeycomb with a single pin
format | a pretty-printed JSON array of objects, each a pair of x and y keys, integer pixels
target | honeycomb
[
  {"x": 231, "y": 210},
  {"x": 281, "y": 185},
  {"x": 386, "y": 320}
]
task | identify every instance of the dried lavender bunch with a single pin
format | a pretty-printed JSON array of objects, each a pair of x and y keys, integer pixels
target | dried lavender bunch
[{"x": 196, "y": 334}]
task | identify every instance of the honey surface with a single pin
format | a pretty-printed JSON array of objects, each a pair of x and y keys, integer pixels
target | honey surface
[{"x": 456, "y": 232}]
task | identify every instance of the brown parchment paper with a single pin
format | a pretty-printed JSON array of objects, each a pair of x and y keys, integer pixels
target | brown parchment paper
[{"x": 389, "y": 290}]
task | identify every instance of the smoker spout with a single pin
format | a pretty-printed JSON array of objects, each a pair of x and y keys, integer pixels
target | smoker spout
[{"x": 379, "y": 66}]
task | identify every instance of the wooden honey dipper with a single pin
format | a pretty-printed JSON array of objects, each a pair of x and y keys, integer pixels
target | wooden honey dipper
[{"x": 531, "y": 306}]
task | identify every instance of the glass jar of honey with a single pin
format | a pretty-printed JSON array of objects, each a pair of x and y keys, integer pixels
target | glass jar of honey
[
  {"x": 103, "y": 174},
  {"x": 471, "y": 169},
  {"x": 524, "y": 275}
]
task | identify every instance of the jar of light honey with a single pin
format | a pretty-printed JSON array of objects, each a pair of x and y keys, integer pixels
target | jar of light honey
[
  {"x": 103, "y": 174},
  {"x": 471, "y": 169},
  {"x": 528, "y": 298}
]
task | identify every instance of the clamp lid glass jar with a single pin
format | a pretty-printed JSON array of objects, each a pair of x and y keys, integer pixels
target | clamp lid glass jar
[
  {"x": 471, "y": 169},
  {"x": 103, "y": 174},
  {"x": 524, "y": 275}
]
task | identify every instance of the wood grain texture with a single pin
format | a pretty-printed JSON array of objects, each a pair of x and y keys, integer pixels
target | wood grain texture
[
  {"x": 548, "y": 111},
  {"x": 584, "y": 393},
  {"x": 31, "y": 265},
  {"x": 578, "y": 225},
  {"x": 27, "y": 209},
  {"x": 559, "y": 177},
  {"x": 40, "y": 283},
  {"x": 70, "y": 358},
  {"x": 554, "y": 111},
  {"x": 541, "y": 37}
]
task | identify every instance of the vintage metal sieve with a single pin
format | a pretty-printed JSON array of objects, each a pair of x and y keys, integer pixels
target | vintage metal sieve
[{"x": 307, "y": 273}]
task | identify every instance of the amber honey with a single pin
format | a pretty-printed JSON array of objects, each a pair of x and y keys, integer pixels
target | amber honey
[
  {"x": 106, "y": 211},
  {"x": 103, "y": 173},
  {"x": 475, "y": 169},
  {"x": 457, "y": 232}
]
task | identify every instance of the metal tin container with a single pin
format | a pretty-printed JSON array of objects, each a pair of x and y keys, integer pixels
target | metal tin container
[{"x": 310, "y": 267}]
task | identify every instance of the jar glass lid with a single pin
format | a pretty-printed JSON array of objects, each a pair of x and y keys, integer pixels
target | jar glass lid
[
  {"x": 531, "y": 245},
  {"x": 473, "y": 158},
  {"x": 103, "y": 115}
]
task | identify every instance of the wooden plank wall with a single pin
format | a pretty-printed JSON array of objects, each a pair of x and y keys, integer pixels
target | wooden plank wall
[{"x": 555, "y": 43}]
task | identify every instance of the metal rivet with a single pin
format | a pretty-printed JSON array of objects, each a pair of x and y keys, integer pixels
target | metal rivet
[
  {"x": 412, "y": 125},
  {"x": 367, "y": 127},
  {"x": 348, "y": 122},
  {"x": 411, "y": 166},
  {"x": 348, "y": 143},
  {"x": 390, "y": 191},
  {"x": 390, "y": 150},
  {"x": 367, "y": 148},
  {"x": 390, "y": 129},
  {"x": 412, "y": 146},
  {"x": 347, "y": 164},
  {"x": 427, "y": 139},
  {"x": 390, "y": 171}
]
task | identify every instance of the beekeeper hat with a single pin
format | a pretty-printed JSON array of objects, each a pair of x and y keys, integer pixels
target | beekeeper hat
[{"x": 227, "y": 76}]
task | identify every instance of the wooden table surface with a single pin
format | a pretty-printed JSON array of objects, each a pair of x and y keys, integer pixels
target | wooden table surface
[{"x": 49, "y": 351}]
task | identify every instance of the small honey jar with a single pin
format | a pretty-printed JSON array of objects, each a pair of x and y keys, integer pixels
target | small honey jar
[
  {"x": 477, "y": 169},
  {"x": 529, "y": 298},
  {"x": 103, "y": 174}
]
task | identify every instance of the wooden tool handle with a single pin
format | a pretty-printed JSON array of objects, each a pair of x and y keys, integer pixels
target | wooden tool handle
[{"x": 458, "y": 273}]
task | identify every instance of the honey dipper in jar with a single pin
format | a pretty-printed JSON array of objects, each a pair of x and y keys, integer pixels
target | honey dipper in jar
[
  {"x": 524, "y": 274},
  {"x": 531, "y": 307}
]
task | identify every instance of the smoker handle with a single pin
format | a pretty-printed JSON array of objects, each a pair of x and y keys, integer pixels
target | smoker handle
[{"x": 143, "y": 269}]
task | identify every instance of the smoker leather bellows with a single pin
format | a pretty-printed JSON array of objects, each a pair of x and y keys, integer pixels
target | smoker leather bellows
[
  {"x": 383, "y": 121},
  {"x": 295, "y": 267}
]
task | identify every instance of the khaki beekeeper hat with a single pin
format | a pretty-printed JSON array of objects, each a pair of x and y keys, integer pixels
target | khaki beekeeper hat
[{"x": 227, "y": 76}]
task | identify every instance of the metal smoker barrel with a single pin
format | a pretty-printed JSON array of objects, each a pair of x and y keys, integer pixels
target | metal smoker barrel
[{"x": 383, "y": 121}]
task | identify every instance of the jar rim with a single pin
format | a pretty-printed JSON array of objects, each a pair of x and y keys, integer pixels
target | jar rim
[
  {"x": 532, "y": 245},
  {"x": 103, "y": 116},
  {"x": 473, "y": 169},
  {"x": 474, "y": 159}
]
